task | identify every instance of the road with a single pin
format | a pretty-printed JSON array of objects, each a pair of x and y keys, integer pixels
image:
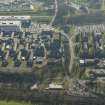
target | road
[
  {"x": 70, "y": 77},
  {"x": 55, "y": 15},
  {"x": 65, "y": 35},
  {"x": 70, "y": 47},
  {"x": 70, "y": 41},
  {"x": 71, "y": 50}
]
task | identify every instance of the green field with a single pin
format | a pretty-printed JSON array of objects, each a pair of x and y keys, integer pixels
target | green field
[{"x": 13, "y": 103}]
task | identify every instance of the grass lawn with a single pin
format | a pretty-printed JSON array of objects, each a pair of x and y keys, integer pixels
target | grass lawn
[{"x": 13, "y": 103}]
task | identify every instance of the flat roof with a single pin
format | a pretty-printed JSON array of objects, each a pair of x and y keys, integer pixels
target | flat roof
[
  {"x": 82, "y": 61},
  {"x": 9, "y": 28},
  {"x": 6, "y": 23},
  {"x": 6, "y": 1},
  {"x": 14, "y": 17},
  {"x": 55, "y": 86}
]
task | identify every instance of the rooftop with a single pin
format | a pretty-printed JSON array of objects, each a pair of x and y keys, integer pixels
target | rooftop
[{"x": 6, "y": 1}]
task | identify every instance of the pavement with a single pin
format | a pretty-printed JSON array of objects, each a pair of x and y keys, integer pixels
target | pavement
[{"x": 55, "y": 15}]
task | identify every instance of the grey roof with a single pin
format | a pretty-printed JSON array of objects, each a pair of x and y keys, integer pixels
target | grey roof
[
  {"x": 9, "y": 29},
  {"x": 6, "y": 1}
]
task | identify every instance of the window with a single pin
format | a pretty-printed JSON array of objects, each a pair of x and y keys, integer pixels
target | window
[
  {"x": 10, "y": 23},
  {"x": 3, "y": 23}
]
